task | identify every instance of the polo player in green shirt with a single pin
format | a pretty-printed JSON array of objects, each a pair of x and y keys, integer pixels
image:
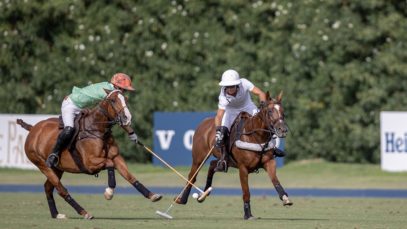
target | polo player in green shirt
[{"x": 86, "y": 97}]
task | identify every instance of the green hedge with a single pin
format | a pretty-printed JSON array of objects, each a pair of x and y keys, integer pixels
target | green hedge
[{"x": 339, "y": 63}]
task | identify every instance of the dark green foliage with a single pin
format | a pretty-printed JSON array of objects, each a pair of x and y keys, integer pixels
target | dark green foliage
[{"x": 339, "y": 63}]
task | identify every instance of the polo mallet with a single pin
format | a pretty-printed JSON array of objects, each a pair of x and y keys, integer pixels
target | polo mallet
[
  {"x": 200, "y": 198},
  {"x": 169, "y": 166}
]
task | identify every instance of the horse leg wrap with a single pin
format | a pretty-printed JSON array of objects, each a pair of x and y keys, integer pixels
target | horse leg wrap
[
  {"x": 111, "y": 179},
  {"x": 247, "y": 210},
  {"x": 143, "y": 190},
  {"x": 280, "y": 191},
  {"x": 52, "y": 207},
  {"x": 73, "y": 203}
]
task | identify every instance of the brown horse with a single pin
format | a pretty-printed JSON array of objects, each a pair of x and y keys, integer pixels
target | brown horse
[
  {"x": 260, "y": 128},
  {"x": 93, "y": 150}
]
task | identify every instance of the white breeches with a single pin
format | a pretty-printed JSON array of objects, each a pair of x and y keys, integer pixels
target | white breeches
[
  {"x": 231, "y": 114},
  {"x": 69, "y": 110}
]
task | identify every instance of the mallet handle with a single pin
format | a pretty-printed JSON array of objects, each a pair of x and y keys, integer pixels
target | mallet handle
[{"x": 169, "y": 166}]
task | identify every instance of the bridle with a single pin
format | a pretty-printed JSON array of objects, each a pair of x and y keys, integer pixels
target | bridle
[
  {"x": 274, "y": 116},
  {"x": 116, "y": 119},
  {"x": 267, "y": 118}
]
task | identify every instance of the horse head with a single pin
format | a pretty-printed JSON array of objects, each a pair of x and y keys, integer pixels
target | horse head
[
  {"x": 274, "y": 113},
  {"x": 114, "y": 107}
]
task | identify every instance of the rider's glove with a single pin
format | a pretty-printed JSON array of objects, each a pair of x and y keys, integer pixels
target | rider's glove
[{"x": 133, "y": 137}]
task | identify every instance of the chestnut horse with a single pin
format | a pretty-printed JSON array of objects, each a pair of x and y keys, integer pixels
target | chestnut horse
[
  {"x": 94, "y": 150},
  {"x": 260, "y": 128}
]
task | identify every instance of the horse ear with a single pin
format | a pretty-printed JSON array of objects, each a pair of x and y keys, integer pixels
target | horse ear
[
  {"x": 267, "y": 95},
  {"x": 280, "y": 96}
]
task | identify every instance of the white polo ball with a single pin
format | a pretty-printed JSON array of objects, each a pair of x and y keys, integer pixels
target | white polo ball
[{"x": 195, "y": 195}]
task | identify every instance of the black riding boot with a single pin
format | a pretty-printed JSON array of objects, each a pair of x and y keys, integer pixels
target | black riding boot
[
  {"x": 278, "y": 152},
  {"x": 222, "y": 133},
  {"x": 63, "y": 140}
]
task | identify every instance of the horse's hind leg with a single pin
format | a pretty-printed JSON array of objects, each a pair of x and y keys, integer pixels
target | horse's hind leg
[
  {"x": 49, "y": 189},
  {"x": 270, "y": 167},
  {"x": 124, "y": 172},
  {"x": 55, "y": 181}
]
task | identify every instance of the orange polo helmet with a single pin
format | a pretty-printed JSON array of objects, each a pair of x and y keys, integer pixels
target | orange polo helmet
[{"x": 122, "y": 80}]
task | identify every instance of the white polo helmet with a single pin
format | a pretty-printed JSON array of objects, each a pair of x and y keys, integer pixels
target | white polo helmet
[{"x": 230, "y": 78}]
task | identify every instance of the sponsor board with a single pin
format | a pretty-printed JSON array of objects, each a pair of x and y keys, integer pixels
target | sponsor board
[
  {"x": 173, "y": 133},
  {"x": 12, "y": 139},
  {"x": 393, "y": 134}
]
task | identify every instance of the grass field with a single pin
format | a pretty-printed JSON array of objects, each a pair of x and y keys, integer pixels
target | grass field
[
  {"x": 28, "y": 210},
  {"x": 31, "y": 211}
]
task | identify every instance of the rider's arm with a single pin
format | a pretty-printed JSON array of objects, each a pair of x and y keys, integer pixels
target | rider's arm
[
  {"x": 259, "y": 93},
  {"x": 219, "y": 116}
]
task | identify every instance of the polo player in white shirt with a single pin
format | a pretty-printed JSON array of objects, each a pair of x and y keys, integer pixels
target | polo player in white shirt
[{"x": 234, "y": 98}]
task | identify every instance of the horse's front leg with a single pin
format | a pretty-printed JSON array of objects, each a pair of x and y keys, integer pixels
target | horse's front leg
[
  {"x": 270, "y": 167},
  {"x": 121, "y": 166},
  {"x": 211, "y": 172},
  {"x": 111, "y": 180},
  {"x": 182, "y": 198},
  {"x": 244, "y": 182}
]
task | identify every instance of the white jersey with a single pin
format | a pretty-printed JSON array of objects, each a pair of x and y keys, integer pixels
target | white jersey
[
  {"x": 233, "y": 105},
  {"x": 241, "y": 99}
]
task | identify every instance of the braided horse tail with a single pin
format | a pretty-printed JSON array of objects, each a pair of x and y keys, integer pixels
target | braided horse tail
[{"x": 24, "y": 124}]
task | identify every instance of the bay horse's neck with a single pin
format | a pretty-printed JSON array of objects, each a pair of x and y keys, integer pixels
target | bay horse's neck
[
  {"x": 258, "y": 122},
  {"x": 98, "y": 119}
]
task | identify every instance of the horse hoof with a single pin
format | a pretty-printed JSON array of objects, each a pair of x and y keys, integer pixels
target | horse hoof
[
  {"x": 109, "y": 193},
  {"x": 250, "y": 218},
  {"x": 61, "y": 216},
  {"x": 286, "y": 201},
  {"x": 156, "y": 197},
  {"x": 179, "y": 201},
  {"x": 88, "y": 216}
]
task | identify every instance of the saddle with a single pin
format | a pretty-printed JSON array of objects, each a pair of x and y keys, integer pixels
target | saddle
[
  {"x": 236, "y": 129},
  {"x": 79, "y": 134},
  {"x": 234, "y": 134}
]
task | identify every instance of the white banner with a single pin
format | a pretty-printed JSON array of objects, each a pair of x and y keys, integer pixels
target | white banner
[
  {"x": 393, "y": 134},
  {"x": 12, "y": 139}
]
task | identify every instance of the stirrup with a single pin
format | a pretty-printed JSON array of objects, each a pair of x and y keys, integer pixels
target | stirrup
[
  {"x": 221, "y": 166},
  {"x": 52, "y": 160}
]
